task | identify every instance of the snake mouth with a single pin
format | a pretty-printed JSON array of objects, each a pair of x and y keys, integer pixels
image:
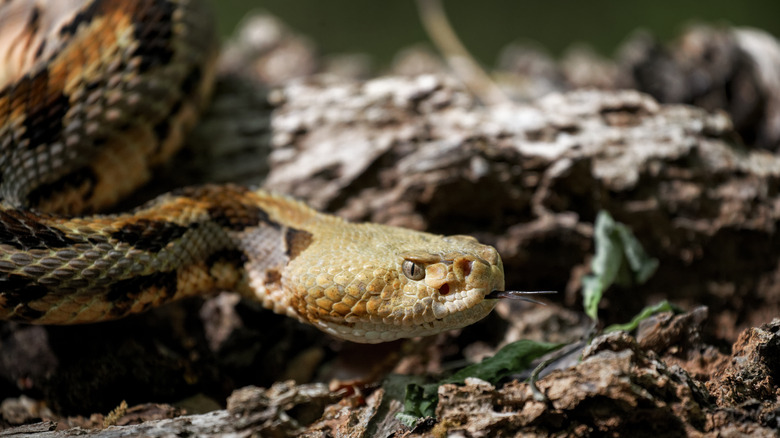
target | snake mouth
[
  {"x": 429, "y": 316},
  {"x": 447, "y": 312}
]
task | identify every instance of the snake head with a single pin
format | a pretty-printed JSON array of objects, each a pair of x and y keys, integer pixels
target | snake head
[{"x": 372, "y": 283}]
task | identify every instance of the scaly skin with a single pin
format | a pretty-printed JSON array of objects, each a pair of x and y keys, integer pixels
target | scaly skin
[{"x": 349, "y": 280}]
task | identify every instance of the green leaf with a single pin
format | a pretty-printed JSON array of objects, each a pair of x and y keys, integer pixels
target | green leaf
[
  {"x": 619, "y": 258},
  {"x": 641, "y": 264},
  {"x": 408, "y": 420},
  {"x": 663, "y": 306},
  {"x": 512, "y": 358},
  {"x": 395, "y": 386},
  {"x": 592, "y": 291},
  {"x": 608, "y": 251},
  {"x": 421, "y": 400},
  {"x": 605, "y": 264}
]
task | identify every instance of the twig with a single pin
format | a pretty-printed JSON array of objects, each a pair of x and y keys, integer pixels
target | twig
[{"x": 458, "y": 58}]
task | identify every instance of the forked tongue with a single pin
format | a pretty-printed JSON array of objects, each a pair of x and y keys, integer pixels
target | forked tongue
[{"x": 518, "y": 295}]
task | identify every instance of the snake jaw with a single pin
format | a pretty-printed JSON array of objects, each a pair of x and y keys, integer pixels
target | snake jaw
[{"x": 372, "y": 332}]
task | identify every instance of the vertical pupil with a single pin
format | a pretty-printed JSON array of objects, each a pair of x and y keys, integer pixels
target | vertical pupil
[{"x": 413, "y": 270}]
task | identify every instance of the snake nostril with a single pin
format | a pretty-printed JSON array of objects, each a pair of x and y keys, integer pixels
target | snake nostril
[{"x": 444, "y": 289}]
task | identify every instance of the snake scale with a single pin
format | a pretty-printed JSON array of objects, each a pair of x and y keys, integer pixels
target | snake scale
[{"x": 94, "y": 95}]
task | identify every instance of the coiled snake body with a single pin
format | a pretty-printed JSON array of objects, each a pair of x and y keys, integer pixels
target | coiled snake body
[{"x": 95, "y": 96}]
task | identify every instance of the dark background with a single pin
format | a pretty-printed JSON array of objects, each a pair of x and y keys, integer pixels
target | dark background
[{"x": 381, "y": 28}]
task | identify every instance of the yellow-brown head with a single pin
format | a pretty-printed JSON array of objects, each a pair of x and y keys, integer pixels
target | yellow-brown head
[{"x": 373, "y": 283}]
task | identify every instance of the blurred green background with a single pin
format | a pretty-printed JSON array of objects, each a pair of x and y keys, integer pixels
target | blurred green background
[{"x": 381, "y": 28}]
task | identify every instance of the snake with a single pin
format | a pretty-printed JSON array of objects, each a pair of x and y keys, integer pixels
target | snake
[{"x": 97, "y": 94}]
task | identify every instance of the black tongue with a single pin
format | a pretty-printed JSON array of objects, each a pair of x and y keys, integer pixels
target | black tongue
[{"x": 518, "y": 295}]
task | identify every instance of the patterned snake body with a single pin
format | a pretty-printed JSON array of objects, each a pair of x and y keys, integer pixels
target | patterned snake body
[{"x": 84, "y": 120}]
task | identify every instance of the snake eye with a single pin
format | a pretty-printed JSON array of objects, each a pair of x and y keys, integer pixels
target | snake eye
[{"x": 412, "y": 270}]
